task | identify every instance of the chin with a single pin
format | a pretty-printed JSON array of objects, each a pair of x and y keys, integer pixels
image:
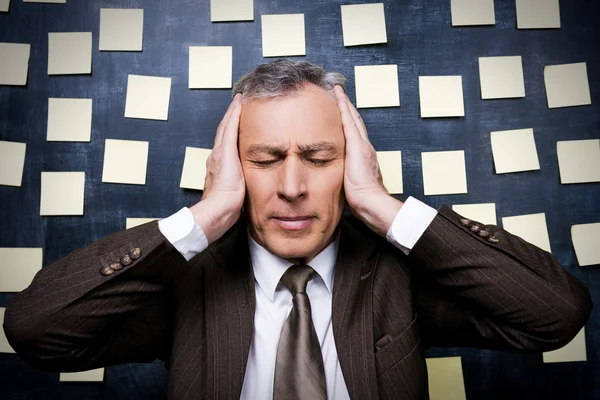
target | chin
[{"x": 296, "y": 247}]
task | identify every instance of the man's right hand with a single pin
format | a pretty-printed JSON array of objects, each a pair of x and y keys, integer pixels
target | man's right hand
[{"x": 224, "y": 186}]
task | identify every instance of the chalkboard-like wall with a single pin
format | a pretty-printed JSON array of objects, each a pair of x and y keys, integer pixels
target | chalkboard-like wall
[{"x": 421, "y": 41}]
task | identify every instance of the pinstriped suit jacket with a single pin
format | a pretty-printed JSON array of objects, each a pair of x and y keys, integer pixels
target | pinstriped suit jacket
[{"x": 455, "y": 288}]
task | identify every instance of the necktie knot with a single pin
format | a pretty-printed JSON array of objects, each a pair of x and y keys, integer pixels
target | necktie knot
[{"x": 296, "y": 278}]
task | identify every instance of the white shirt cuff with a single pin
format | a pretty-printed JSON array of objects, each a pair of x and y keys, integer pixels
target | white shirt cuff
[
  {"x": 184, "y": 233},
  {"x": 411, "y": 221}
]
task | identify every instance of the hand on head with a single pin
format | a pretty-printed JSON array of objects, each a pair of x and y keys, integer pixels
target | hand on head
[{"x": 224, "y": 186}]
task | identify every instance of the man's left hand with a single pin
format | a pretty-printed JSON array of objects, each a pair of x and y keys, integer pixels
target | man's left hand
[{"x": 363, "y": 184}]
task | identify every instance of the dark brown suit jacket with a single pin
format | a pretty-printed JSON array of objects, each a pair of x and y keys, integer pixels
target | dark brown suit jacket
[{"x": 455, "y": 288}]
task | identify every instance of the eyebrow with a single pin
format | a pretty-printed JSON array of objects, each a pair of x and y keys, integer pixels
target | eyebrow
[{"x": 306, "y": 149}]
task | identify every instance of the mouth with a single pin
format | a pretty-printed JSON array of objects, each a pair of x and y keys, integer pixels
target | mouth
[{"x": 294, "y": 223}]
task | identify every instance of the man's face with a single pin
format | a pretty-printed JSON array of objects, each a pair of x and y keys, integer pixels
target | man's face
[{"x": 292, "y": 152}]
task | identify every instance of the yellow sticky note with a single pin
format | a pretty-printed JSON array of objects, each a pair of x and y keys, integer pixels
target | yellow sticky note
[
  {"x": 231, "y": 10},
  {"x": 194, "y": 168},
  {"x": 69, "y": 53},
  {"x": 441, "y": 96},
  {"x": 484, "y": 213},
  {"x": 514, "y": 151},
  {"x": 133, "y": 222},
  {"x": 377, "y": 86},
  {"x": 121, "y": 29},
  {"x": 579, "y": 161},
  {"x": 444, "y": 172},
  {"x": 567, "y": 85},
  {"x": 62, "y": 193},
  {"x": 445, "y": 377},
  {"x": 14, "y": 63},
  {"x": 390, "y": 164},
  {"x": 575, "y": 350},
  {"x": 472, "y": 12},
  {"x": 94, "y": 375},
  {"x": 501, "y": 77},
  {"x": 531, "y": 228},
  {"x": 125, "y": 161},
  {"x": 211, "y": 67},
  {"x": 4, "y": 346},
  {"x": 18, "y": 266},
  {"x": 363, "y": 24},
  {"x": 148, "y": 97},
  {"x": 586, "y": 241},
  {"x": 538, "y": 14},
  {"x": 4, "y": 5},
  {"x": 12, "y": 162},
  {"x": 283, "y": 35},
  {"x": 69, "y": 120}
]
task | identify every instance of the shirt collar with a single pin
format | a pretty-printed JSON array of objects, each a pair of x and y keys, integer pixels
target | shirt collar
[{"x": 269, "y": 268}]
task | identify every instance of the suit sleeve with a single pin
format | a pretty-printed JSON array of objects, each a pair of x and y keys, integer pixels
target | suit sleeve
[
  {"x": 77, "y": 315},
  {"x": 480, "y": 286}
]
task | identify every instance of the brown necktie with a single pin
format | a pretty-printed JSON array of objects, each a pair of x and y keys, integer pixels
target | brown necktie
[{"x": 299, "y": 371}]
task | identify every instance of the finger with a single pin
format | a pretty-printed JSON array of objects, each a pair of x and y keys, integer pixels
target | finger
[
  {"x": 221, "y": 127},
  {"x": 360, "y": 124},
  {"x": 230, "y": 132},
  {"x": 350, "y": 129}
]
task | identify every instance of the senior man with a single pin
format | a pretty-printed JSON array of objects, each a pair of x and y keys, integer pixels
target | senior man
[{"x": 264, "y": 290}]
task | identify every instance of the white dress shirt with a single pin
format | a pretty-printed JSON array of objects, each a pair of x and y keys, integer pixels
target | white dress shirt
[{"x": 274, "y": 301}]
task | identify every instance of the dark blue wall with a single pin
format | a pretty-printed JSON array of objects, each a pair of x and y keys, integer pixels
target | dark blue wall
[{"x": 420, "y": 40}]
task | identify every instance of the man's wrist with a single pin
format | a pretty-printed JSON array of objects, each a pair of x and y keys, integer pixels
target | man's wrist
[
  {"x": 380, "y": 212},
  {"x": 213, "y": 221}
]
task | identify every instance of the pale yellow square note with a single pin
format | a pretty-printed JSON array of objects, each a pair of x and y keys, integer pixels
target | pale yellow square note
[
  {"x": 441, "y": 96},
  {"x": 12, "y": 162},
  {"x": 586, "y": 241},
  {"x": 579, "y": 161},
  {"x": 211, "y": 67},
  {"x": 575, "y": 350},
  {"x": 69, "y": 120},
  {"x": 483, "y": 212},
  {"x": 377, "y": 86},
  {"x": 390, "y": 164},
  {"x": 531, "y": 228},
  {"x": 18, "y": 266},
  {"x": 446, "y": 381},
  {"x": 194, "y": 168},
  {"x": 125, "y": 161},
  {"x": 514, "y": 151},
  {"x": 283, "y": 35},
  {"x": 444, "y": 172},
  {"x": 363, "y": 24},
  {"x": 94, "y": 375},
  {"x": 69, "y": 53},
  {"x": 62, "y": 193},
  {"x": 148, "y": 97}
]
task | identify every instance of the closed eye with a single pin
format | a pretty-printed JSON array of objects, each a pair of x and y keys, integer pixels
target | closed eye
[
  {"x": 319, "y": 162},
  {"x": 265, "y": 162}
]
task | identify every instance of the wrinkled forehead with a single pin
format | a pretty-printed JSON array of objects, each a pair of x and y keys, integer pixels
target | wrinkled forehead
[{"x": 303, "y": 117}]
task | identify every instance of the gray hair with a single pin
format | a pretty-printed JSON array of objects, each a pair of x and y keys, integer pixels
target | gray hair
[{"x": 282, "y": 77}]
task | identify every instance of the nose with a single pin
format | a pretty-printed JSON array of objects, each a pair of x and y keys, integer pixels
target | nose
[{"x": 292, "y": 179}]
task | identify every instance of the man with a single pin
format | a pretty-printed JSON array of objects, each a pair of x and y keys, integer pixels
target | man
[{"x": 262, "y": 290}]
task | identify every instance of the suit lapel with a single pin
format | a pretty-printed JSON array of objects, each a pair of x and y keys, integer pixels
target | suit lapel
[
  {"x": 352, "y": 315},
  {"x": 230, "y": 313},
  {"x": 231, "y": 307}
]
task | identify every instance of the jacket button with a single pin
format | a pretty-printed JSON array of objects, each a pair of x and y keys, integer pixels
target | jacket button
[
  {"x": 475, "y": 228},
  {"x": 493, "y": 239},
  {"x": 116, "y": 266},
  {"x": 465, "y": 222},
  {"x": 484, "y": 233},
  {"x": 134, "y": 254},
  {"x": 106, "y": 270},
  {"x": 126, "y": 260}
]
